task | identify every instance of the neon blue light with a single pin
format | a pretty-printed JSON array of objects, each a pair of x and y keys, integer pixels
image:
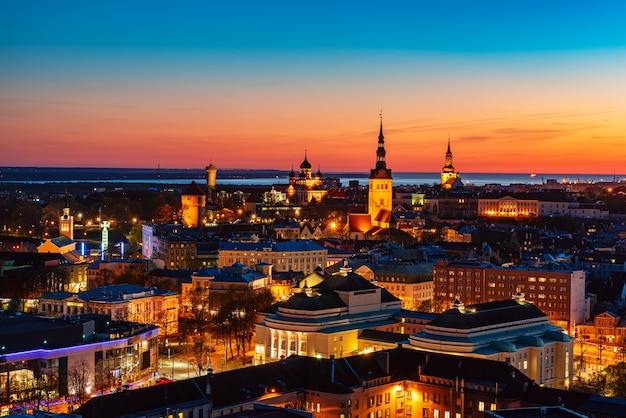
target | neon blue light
[{"x": 68, "y": 351}]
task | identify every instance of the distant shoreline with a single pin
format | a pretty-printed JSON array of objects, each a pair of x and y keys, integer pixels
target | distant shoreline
[{"x": 49, "y": 175}]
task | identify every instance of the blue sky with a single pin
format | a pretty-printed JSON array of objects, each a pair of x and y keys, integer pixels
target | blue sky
[{"x": 445, "y": 26}]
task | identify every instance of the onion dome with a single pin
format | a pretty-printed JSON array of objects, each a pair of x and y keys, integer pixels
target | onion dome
[{"x": 305, "y": 164}]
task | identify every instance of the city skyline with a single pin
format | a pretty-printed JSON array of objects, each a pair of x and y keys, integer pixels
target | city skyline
[{"x": 518, "y": 88}]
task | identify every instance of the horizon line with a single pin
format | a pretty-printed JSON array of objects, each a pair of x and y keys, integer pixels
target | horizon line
[{"x": 160, "y": 168}]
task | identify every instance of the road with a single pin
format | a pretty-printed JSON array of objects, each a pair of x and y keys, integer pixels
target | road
[
  {"x": 596, "y": 357},
  {"x": 180, "y": 366}
]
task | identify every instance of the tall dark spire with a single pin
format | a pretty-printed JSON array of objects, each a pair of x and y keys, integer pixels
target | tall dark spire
[
  {"x": 448, "y": 164},
  {"x": 381, "y": 170},
  {"x": 380, "y": 152}
]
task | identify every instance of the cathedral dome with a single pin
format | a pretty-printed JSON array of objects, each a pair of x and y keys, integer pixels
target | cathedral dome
[{"x": 305, "y": 164}]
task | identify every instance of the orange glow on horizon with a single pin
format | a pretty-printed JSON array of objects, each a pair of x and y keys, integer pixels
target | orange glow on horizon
[{"x": 519, "y": 124}]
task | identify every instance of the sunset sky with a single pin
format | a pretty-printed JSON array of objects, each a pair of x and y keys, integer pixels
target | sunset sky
[{"x": 518, "y": 86}]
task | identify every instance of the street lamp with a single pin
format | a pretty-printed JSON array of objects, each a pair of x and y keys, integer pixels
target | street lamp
[
  {"x": 600, "y": 348},
  {"x": 171, "y": 360}
]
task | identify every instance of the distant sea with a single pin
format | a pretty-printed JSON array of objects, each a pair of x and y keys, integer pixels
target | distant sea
[{"x": 153, "y": 176}]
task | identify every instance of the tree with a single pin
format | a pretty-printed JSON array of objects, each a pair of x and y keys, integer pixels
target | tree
[
  {"x": 163, "y": 213},
  {"x": 134, "y": 238},
  {"x": 199, "y": 322},
  {"x": 580, "y": 365},
  {"x": 79, "y": 378},
  {"x": 105, "y": 377},
  {"x": 236, "y": 315},
  {"x": 425, "y": 306},
  {"x": 26, "y": 219},
  {"x": 615, "y": 380},
  {"x": 47, "y": 387}
]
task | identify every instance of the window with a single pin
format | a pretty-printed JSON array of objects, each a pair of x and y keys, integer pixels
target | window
[{"x": 481, "y": 406}]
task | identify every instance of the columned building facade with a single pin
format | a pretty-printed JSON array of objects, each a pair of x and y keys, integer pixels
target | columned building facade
[{"x": 324, "y": 316}]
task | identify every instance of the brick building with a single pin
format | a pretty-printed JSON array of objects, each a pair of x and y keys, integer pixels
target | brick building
[{"x": 559, "y": 293}]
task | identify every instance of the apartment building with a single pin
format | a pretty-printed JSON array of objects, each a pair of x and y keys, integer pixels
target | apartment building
[{"x": 560, "y": 293}]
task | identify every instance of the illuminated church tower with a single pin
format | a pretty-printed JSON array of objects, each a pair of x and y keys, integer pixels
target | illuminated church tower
[
  {"x": 66, "y": 223},
  {"x": 380, "y": 187},
  {"x": 449, "y": 178}
]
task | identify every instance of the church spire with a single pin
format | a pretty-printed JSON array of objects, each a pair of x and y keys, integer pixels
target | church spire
[
  {"x": 380, "y": 152},
  {"x": 380, "y": 193},
  {"x": 448, "y": 164},
  {"x": 449, "y": 177}
]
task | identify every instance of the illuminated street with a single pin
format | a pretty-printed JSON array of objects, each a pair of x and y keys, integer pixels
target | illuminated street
[
  {"x": 181, "y": 365},
  {"x": 596, "y": 357}
]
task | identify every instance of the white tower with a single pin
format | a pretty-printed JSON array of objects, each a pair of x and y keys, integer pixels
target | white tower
[
  {"x": 105, "y": 237},
  {"x": 211, "y": 177}
]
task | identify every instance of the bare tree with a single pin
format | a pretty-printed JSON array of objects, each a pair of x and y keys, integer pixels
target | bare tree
[
  {"x": 200, "y": 310},
  {"x": 580, "y": 365},
  {"x": 235, "y": 317},
  {"x": 47, "y": 388},
  {"x": 105, "y": 377},
  {"x": 79, "y": 379}
]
